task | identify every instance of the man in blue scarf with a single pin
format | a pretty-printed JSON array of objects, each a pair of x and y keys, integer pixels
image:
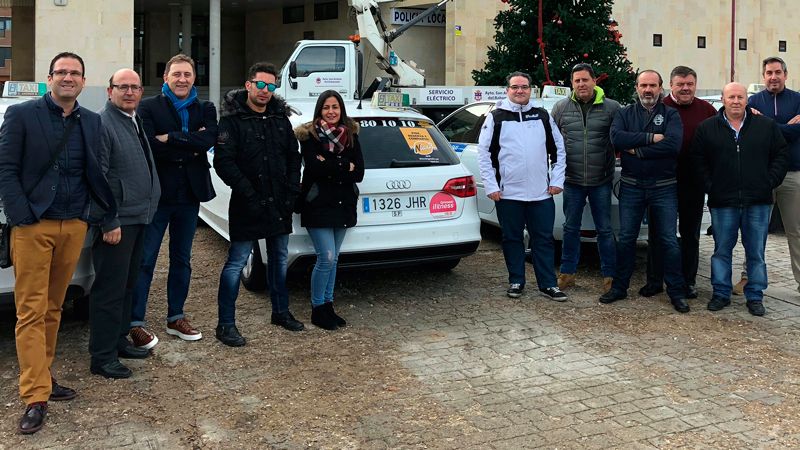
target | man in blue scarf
[{"x": 180, "y": 129}]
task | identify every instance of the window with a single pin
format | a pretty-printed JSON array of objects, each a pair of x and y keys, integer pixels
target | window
[
  {"x": 294, "y": 14},
  {"x": 742, "y": 44},
  {"x": 701, "y": 42},
  {"x": 656, "y": 40},
  {"x": 5, "y": 53},
  {"x": 402, "y": 142},
  {"x": 5, "y": 25},
  {"x": 465, "y": 125},
  {"x": 781, "y": 46},
  {"x": 326, "y": 11},
  {"x": 320, "y": 59}
]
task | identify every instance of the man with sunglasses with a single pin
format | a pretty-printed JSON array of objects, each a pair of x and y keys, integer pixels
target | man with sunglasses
[
  {"x": 180, "y": 129},
  {"x": 127, "y": 161},
  {"x": 49, "y": 173},
  {"x": 256, "y": 155}
]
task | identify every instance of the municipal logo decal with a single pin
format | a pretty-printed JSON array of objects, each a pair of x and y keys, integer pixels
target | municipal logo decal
[{"x": 658, "y": 119}]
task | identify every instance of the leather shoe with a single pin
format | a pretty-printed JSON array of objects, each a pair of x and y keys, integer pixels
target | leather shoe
[
  {"x": 717, "y": 303},
  {"x": 649, "y": 290},
  {"x": 60, "y": 393},
  {"x": 112, "y": 369},
  {"x": 131, "y": 352},
  {"x": 756, "y": 308},
  {"x": 33, "y": 419},
  {"x": 230, "y": 336},
  {"x": 613, "y": 295},
  {"x": 339, "y": 319},
  {"x": 287, "y": 321},
  {"x": 691, "y": 291},
  {"x": 680, "y": 305}
]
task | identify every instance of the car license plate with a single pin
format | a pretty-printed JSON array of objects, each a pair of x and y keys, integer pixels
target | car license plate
[{"x": 394, "y": 203}]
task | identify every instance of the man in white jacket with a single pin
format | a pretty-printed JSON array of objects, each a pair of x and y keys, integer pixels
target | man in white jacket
[{"x": 522, "y": 161}]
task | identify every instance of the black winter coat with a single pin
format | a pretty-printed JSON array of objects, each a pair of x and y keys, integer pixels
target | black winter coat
[
  {"x": 330, "y": 195},
  {"x": 739, "y": 173},
  {"x": 256, "y": 155}
]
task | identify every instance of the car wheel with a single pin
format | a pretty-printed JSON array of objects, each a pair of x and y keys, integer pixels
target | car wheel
[
  {"x": 254, "y": 273},
  {"x": 444, "y": 266}
]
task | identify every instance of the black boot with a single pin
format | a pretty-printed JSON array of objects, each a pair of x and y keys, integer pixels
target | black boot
[
  {"x": 321, "y": 317},
  {"x": 339, "y": 320}
]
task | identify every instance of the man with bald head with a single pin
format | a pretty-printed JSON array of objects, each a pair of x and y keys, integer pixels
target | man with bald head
[
  {"x": 127, "y": 162},
  {"x": 741, "y": 157}
]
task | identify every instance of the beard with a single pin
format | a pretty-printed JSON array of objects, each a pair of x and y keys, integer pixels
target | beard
[{"x": 648, "y": 102}]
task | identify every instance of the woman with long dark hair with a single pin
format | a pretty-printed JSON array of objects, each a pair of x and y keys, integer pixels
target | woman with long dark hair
[{"x": 333, "y": 165}]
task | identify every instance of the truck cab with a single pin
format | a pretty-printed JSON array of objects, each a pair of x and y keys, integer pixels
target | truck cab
[{"x": 316, "y": 66}]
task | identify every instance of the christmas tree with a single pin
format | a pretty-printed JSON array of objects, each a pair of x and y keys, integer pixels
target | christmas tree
[{"x": 572, "y": 31}]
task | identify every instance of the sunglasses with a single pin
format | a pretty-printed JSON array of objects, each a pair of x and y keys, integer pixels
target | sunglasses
[{"x": 263, "y": 84}]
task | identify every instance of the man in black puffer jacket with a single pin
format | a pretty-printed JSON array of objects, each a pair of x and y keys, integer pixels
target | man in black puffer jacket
[
  {"x": 741, "y": 157},
  {"x": 257, "y": 156}
]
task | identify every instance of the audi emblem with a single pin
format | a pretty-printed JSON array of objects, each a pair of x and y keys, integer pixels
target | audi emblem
[{"x": 398, "y": 184}]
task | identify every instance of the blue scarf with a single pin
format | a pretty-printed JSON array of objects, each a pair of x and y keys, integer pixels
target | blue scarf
[{"x": 181, "y": 105}]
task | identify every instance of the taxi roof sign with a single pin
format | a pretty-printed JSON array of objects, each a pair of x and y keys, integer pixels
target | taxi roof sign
[
  {"x": 389, "y": 100},
  {"x": 24, "y": 89}
]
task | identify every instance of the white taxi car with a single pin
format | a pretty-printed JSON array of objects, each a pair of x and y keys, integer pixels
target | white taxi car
[
  {"x": 417, "y": 202},
  {"x": 462, "y": 129}
]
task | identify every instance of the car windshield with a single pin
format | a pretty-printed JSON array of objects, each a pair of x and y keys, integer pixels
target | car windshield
[{"x": 393, "y": 142}]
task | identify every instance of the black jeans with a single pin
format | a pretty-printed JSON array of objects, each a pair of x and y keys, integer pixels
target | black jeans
[
  {"x": 116, "y": 269},
  {"x": 690, "y": 215}
]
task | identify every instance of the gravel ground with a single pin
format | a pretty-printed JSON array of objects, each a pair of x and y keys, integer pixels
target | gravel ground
[{"x": 433, "y": 360}]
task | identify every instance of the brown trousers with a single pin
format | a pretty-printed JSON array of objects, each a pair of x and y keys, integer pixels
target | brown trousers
[{"x": 45, "y": 255}]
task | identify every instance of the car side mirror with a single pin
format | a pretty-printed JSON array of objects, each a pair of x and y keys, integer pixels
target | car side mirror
[{"x": 293, "y": 74}]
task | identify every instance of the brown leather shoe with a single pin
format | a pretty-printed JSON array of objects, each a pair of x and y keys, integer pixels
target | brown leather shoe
[
  {"x": 738, "y": 289},
  {"x": 33, "y": 419},
  {"x": 184, "y": 330},
  {"x": 142, "y": 338},
  {"x": 566, "y": 280},
  {"x": 607, "y": 282}
]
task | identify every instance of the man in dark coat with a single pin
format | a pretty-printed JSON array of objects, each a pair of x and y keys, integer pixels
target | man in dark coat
[
  {"x": 49, "y": 172},
  {"x": 127, "y": 161},
  {"x": 257, "y": 156},
  {"x": 180, "y": 129},
  {"x": 741, "y": 157}
]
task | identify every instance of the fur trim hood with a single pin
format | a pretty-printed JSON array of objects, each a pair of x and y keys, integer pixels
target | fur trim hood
[{"x": 306, "y": 131}]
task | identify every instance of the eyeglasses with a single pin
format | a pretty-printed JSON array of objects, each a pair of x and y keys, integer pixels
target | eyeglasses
[
  {"x": 263, "y": 84},
  {"x": 64, "y": 73},
  {"x": 126, "y": 87},
  {"x": 519, "y": 88}
]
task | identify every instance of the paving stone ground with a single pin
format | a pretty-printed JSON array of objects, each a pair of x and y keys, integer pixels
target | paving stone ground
[{"x": 445, "y": 360}]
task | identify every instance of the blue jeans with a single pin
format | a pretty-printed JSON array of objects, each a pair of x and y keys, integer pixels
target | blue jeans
[
  {"x": 277, "y": 264},
  {"x": 327, "y": 243},
  {"x": 662, "y": 202},
  {"x": 182, "y": 222},
  {"x": 726, "y": 223},
  {"x": 238, "y": 253},
  {"x": 514, "y": 216},
  {"x": 600, "y": 202}
]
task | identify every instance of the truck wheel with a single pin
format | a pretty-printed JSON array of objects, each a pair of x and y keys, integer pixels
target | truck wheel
[{"x": 254, "y": 273}]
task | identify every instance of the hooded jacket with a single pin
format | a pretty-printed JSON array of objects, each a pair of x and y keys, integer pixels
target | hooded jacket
[
  {"x": 330, "y": 195},
  {"x": 523, "y": 165},
  {"x": 781, "y": 107},
  {"x": 256, "y": 155},
  {"x": 739, "y": 172},
  {"x": 634, "y": 128},
  {"x": 590, "y": 155}
]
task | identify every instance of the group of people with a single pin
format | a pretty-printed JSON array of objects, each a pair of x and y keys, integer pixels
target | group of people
[
  {"x": 139, "y": 166},
  {"x": 673, "y": 150}
]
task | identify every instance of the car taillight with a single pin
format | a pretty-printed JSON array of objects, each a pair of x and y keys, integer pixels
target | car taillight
[{"x": 461, "y": 187}]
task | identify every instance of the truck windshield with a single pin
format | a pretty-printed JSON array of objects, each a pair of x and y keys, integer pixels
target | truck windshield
[{"x": 394, "y": 142}]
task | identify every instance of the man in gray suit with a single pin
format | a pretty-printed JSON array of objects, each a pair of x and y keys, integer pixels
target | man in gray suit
[{"x": 127, "y": 162}]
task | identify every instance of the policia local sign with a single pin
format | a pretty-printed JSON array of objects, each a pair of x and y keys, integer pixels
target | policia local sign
[{"x": 401, "y": 16}]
